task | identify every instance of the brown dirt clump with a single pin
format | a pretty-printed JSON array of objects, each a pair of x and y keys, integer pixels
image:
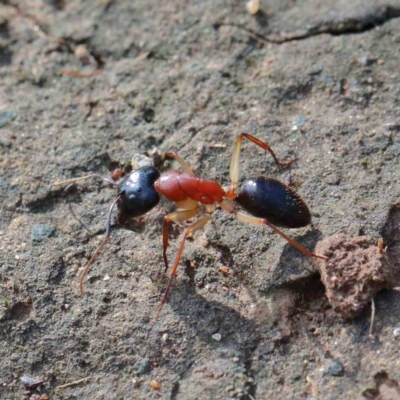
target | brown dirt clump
[{"x": 356, "y": 270}]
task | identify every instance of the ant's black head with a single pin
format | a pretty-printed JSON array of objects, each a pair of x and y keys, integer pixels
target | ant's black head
[{"x": 137, "y": 194}]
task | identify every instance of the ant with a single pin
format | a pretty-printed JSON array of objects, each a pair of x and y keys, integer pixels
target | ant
[{"x": 266, "y": 200}]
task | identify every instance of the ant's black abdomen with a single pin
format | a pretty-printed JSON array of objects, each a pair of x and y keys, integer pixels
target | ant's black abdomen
[
  {"x": 270, "y": 199},
  {"x": 137, "y": 193}
]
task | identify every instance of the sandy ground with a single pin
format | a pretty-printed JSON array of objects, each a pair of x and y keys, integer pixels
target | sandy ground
[{"x": 84, "y": 86}]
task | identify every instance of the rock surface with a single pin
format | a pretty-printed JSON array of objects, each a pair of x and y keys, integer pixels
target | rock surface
[{"x": 85, "y": 85}]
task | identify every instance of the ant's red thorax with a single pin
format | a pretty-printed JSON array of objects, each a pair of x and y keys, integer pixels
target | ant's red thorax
[{"x": 178, "y": 186}]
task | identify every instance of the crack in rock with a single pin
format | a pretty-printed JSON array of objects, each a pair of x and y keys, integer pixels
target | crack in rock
[{"x": 372, "y": 19}]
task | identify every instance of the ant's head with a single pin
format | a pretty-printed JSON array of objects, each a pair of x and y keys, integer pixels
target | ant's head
[{"x": 137, "y": 194}]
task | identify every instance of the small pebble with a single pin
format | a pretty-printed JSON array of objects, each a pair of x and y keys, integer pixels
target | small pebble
[
  {"x": 224, "y": 270},
  {"x": 41, "y": 232},
  {"x": 155, "y": 385},
  {"x": 335, "y": 368},
  {"x": 135, "y": 382},
  {"x": 217, "y": 337},
  {"x": 367, "y": 60},
  {"x": 142, "y": 367},
  {"x": 140, "y": 161},
  {"x": 299, "y": 122},
  {"x": 396, "y": 332},
  {"x": 31, "y": 383},
  {"x": 113, "y": 79},
  {"x": 6, "y": 117},
  {"x": 253, "y": 6},
  {"x": 83, "y": 55},
  {"x": 165, "y": 337}
]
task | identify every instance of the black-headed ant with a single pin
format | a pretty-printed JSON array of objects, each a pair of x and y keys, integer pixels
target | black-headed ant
[{"x": 266, "y": 200}]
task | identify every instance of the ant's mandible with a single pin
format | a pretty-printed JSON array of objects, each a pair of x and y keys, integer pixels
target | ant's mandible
[{"x": 266, "y": 200}]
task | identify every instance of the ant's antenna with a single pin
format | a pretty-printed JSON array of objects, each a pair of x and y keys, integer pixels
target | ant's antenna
[
  {"x": 105, "y": 240},
  {"x": 82, "y": 178}
]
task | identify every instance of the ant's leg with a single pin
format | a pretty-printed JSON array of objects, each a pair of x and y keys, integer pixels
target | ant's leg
[
  {"x": 199, "y": 224},
  {"x": 103, "y": 243},
  {"x": 266, "y": 147},
  {"x": 248, "y": 219},
  {"x": 173, "y": 154},
  {"x": 73, "y": 180},
  {"x": 180, "y": 215},
  {"x": 234, "y": 167}
]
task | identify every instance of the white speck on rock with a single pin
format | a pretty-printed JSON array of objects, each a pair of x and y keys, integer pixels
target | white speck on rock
[{"x": 217, "y": 337}]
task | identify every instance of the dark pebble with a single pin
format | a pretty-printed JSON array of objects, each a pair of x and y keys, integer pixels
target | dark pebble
[
  {"x": 142, "y": 367},
  {"x": 41, "y": 232},
  {"x": 335, "y": 368},
  {"x": 300, "y": 121},
  {"x": 6, "y": 116}
]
